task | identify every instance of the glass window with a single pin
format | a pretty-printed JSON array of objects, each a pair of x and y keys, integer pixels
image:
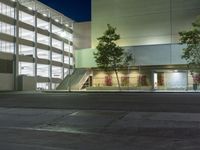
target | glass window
[
  {"x": 56, "y": 30},
  {"x": 56, "y": 72},
  {"x": 26, "y": 50},
  {"x": 26, "y": 34},
  {"x": 7, "y": 10},
  {"x": 66, "y": 72},
  {"x": 7, "y": 28},
  {"x": 71, "y": 61},
  {"x": 26, "y": 68},
  {"x": 55, "y": 85},
  {"x": 43, "y": 54},
  {"x": 43, "y": 85},
  {"x": 7, "y": 47},
  {"x": 56, "y": 57},
  {"x": 26, "y": 18},
  {"x": 66, "y": 47},
  {"x": 57, "y": 44},
  {"x": 42, "y": 24},
  {"x": 42, "y": 70},
  {"x": 68, "y": 36},
  {"x": 43, "y": 39},
  {"x": 66, "y": 59},
  {"x": 71, "y": 49}
]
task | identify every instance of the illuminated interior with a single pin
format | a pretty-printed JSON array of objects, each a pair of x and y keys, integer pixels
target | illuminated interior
[
  {"x": 26, "y": 50},
  {"x": 26, "y": 68},
  {"x": 42, "y": 36},
  {"x": 43, "y": 54},
  {"x": 6, "y": 46},
  {"x": 43, "y": 70},
  {"x": 56, "y": 72}
]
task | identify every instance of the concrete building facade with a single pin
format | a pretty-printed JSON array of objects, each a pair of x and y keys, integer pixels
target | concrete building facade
[
  {"x": 36, "y": 45},
  {"x": 149, "y": 30}
]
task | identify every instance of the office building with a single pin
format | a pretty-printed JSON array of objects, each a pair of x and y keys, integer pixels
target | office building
[{"x": 149, "y": 30}]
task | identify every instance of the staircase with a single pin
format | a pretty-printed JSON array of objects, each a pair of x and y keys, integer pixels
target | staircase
[{"x": 75, "y": 81}]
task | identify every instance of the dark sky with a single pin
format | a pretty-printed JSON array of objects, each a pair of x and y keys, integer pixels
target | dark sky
[{"x": 78, "y": 10}]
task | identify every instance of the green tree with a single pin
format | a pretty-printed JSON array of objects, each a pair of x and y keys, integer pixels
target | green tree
[
  {"x": 191, "y": 53},
  {"x": 109, "y": 55}
]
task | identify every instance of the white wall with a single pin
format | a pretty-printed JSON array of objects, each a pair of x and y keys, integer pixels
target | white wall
[
  {"x": 143, "y": 22},
  {"x": 6, "y": 82},
  {"x": 82, "y": 35}
]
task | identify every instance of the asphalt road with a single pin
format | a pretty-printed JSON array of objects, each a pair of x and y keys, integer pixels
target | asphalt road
[
  {"x": 100, "y": 121},
  {"x": 149, "y": 102}
]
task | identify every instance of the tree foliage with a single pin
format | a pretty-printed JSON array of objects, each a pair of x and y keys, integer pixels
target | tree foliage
[
  {"x": 109, "y": 55},
  {"x": 192, "y": 40}
]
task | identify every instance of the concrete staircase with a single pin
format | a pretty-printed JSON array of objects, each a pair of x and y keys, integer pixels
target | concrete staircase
[{"x": 76, "y": 80}]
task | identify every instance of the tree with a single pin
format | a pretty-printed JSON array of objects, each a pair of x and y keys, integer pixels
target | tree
[
  {"x": 191, "y": 53},
  {"x": 129, "y": 59},
  {"x": 109, "y": 55}
]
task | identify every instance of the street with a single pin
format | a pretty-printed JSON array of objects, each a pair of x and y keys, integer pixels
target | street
[{"x": 100, "y": 121}]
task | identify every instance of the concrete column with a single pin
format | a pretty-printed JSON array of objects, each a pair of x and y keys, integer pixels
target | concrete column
[
  {"x": 35, "y": 53},
  {"x": 50, "y": 65},
  {"x": 16, "y": 56}
]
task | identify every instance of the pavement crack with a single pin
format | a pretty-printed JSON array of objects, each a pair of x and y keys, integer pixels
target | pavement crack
[{"x": 109, "y": 124}]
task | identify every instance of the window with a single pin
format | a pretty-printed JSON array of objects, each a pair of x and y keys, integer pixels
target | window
[
  {"x": 71, "y": 61},
  {"x": 26, "y": 34},
  {"x": 43, "y": 54},
  {"x": 66, "y": 59},
  {"x": 26, "y": 18},
  {"x": 7, "y": 28},
  {"x": 26, "y": 68},
  {"x": 42, "y": 70},
  {"x": 57, "y": 44},
  {"x": 56, "y": 57},
  {"x": 43, "y": 85},
  {"x": 43, "y": 39},
  {"x": 66, "y": 72},
  {"x": 7, "y": 47},
  {"x": 68, "y": 48},
  {"x": 54, "y": 85},
  {"x": 26, "y": 50},
  {"x": 56, "y": 30},
  {"x": 56, "y": 72},
  {"x": 42, "y": 24},
  {"x": 7, "y": 10}
]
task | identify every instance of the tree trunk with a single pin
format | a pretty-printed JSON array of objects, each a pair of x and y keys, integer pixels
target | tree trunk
[{"x": 117, "y": 79}]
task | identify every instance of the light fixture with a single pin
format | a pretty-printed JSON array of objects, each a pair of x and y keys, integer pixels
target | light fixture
[
  {"x": 63, "y": 34},
  {"x": 44, "y": 15},
  {"x": 175, "y": 70},
  {"x": 30, "y": 8}
]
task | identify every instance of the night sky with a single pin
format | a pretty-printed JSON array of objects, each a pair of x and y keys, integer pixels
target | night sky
[{"x": 78, "y": 10}]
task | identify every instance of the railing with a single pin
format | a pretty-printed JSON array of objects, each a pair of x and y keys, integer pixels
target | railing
[{"x": 84, "y": 79}]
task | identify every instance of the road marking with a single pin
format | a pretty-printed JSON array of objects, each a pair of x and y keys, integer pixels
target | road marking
[{"x": 74, "y": 114}]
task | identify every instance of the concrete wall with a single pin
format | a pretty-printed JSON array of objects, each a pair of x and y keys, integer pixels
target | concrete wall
[
  {"x": 165, "y": 54},
  {"x": 6, "y": 82},
  {"x": 85, "y": 58},
  {"x": 82, "y": 35},
  {"x": 149, "y": 29},
  {"x": 143, "y": 22},
  {"x": 26, "y": 83}
]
